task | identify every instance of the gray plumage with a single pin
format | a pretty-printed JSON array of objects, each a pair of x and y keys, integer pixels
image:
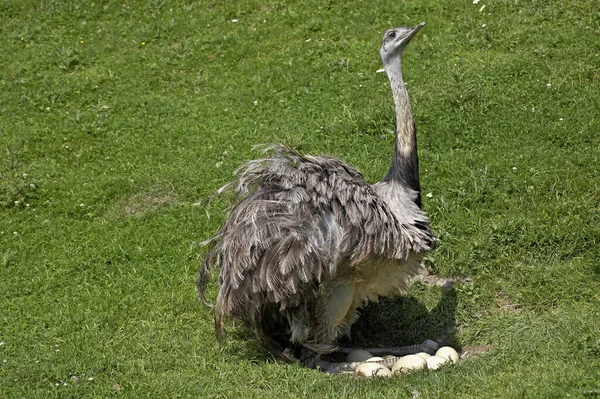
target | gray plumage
[{"x": 308, "y": 241}]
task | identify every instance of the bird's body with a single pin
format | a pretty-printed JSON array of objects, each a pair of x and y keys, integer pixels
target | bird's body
[{"x": 308, "y": 241}]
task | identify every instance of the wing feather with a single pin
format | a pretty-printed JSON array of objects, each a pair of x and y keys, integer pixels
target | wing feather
[{"x": 293, "y": 218}]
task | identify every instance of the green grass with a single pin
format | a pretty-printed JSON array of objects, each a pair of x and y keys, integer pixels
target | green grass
[{"x": 116, "y": 117}]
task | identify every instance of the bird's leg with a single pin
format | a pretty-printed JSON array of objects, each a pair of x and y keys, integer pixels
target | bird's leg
[
  {"x": 346, "y": 367},
  {"x": 315, "y": 362},
  {"x": 334, "y": 368},
  {"x": 307, "y": 358},
  {"x": 427, "y": 346}
]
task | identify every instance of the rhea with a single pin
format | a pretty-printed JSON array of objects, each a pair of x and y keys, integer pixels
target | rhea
[{"x": 308, "y": 241}]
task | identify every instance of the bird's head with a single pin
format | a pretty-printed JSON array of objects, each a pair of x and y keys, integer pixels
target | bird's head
[{"x": 395, "y": 41}]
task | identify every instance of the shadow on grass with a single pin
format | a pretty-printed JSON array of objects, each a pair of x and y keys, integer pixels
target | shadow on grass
[
  {"x": 391, "y": 322},
  {"x": 405, "y": 321}
]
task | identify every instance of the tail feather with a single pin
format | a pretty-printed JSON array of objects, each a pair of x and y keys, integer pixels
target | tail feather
[
  {"x": 293, "y": 222},
  {"x": 219, "y": 313},
  {"x": 202, "y": 280}
]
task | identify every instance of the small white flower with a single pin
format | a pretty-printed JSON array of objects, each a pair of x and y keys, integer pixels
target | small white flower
[
  {"x": 560, "y": 119},
  {"x": 234, "y": 21},
  {"x": 24, "y": 175},
  {"x": 482, "y": 7},
  {"x": 91, "y": 379},
  {"x": 15, "y": 233},
  {"x": 548, "y": 85},
  {"x": 27, "y": 205},
  {"x": 380, "y": 70},
  {"x": 255, "y": 102},
  {"x": 16, "y": 202},
  {"x": 1, "y": 343},
  {"x": 475, "y": 1},
  {"x": 81, "y": 205},
  {"x": 483, "y": 26},
  {"x": 219, "y": 164},
  {"x": 429, "y": 195},
  {"x": 514, "y": 168},
  {"x": 307, "y": 40}
]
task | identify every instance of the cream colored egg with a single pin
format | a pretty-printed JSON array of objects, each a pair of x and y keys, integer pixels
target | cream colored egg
[
  {"x": 408, "y": 363},
  {"x": 375, "y": 359},
  {"x": 434, "y": 362},
  {"x": 371, "y": 370},
  {"x": 448, "y": 353},
  {"x": 424, "y": 355},
  {"x": 358, "y": 355}
]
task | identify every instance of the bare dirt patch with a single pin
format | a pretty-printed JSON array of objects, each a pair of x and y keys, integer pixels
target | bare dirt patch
[
  {"x": 473, "y": 351},
  {"x": 142, "y": 202},
  {"x": 505, "y": 303},
  {"x": 431, "y": 280}
]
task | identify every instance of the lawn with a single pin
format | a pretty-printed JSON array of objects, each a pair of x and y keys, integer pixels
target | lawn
[{"x": 118, "y": 119}]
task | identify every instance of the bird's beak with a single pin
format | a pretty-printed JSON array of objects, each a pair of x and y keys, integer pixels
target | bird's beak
[
  {"x": 414, "y": 30},
  {"x": 404, "y": 40}
]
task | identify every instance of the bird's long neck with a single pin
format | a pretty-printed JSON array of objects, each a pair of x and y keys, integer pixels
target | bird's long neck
[{"x": 405, "y": 162}]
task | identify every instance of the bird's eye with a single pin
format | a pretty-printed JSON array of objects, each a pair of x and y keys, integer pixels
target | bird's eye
[{"x": 392, "y": 34}]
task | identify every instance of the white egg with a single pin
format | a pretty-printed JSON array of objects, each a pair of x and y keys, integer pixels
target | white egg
[
  {"x": 371, "y": 370},
  {"x": 374, "y": 359},
  {"x": 448, "y": 353},
  {"x": 358, "y": 355},
  {"x": 434, "y": 362},
  {"x": 408, "y": 363},
  {"x": 424, "y": 355}
]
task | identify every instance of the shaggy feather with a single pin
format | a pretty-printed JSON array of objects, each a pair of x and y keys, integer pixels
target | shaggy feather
[
  {"x": 293, "y": 225},
  {"x": 308, "y": 241}
]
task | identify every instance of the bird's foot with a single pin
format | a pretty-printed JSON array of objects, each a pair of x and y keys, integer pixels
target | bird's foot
[
  {"x": 334, "y": 368},
  {"x": 428, "y": 346},
  {"x": 313, "y": 361}
]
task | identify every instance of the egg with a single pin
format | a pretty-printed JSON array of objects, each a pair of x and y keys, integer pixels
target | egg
[
  {"x": 408, "y": 363},
  {"x": 434, "y": 362},
  {"x": 448, "y": 353},
  {"x": 358, "y": 355},
  {"x": 371, "y": 370},
  {"x": 424, "y": 355}
]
